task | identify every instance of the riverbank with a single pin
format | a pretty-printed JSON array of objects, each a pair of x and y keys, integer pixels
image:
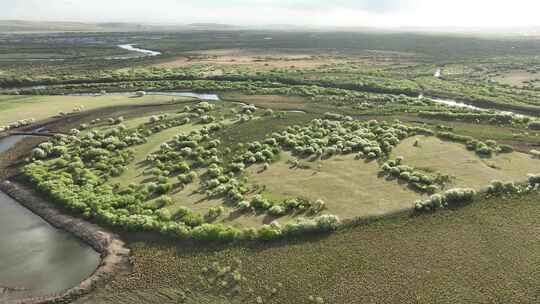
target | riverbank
[{"x": 114, "y": 254}]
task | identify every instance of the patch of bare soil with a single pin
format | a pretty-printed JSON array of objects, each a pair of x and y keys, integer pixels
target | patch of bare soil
[{"x": 257, "y": 58}]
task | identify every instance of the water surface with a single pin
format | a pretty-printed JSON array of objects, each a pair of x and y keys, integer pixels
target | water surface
[
  {"x": 36, "y": 256},
  {"x": 132, "y": 48}
]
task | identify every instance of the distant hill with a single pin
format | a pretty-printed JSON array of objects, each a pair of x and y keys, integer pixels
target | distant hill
[
  {"x": 22, "y": 26},
  {"x": 211, "y": 25},
  {"x": 54, "y": 26},
  {"x": 13, "y": 26}
]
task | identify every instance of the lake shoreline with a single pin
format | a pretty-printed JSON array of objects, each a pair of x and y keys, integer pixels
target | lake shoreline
[{"x": 114, "y": 253}]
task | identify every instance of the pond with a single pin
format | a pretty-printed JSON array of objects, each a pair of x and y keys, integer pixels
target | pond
[{"x": 37, "y": 259}]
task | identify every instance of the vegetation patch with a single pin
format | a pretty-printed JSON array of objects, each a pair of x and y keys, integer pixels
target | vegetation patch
[{"x": 465, "y": 167}]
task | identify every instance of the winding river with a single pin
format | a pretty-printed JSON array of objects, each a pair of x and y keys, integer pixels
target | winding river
[
  {"x": 202, "y": 96},
  {"x": 132, "y": 48},
  {"x": 457, "y": 104},
  {"x": 37, "y": 259}
]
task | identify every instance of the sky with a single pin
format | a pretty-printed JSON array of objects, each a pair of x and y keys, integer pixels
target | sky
[{"x": 323, "y": 13}]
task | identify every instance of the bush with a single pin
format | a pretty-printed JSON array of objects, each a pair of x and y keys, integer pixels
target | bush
[
  {"x": 534, "y": 179},
  {"x": 450, "y": 197},
  {"x": 260, "y": 203},
  {"x": 459, "y": 195},
  {"x": 317, "y": 206},
  {"x": 327, "y": 222},
  {"x": 270, "y": 232},
  {"x": 216, "y": 232},
  {"x": 215, "y": 212},
  {"x": 277, "y": 210},
  {"x": 187, "y": 178},
  {"x": 497, "y": 187},
  {"x": 38, "y": 153},
  {"x": 322, "y": 223},
  {"x": 193, "y": 219},
  {"x": 244, "y": 205},
  {"x": 534, "y": 125},
  {"x": 164, "y": 201},
  {"x": 164, "y": 214},
  {"x": 506, "y": 149}
]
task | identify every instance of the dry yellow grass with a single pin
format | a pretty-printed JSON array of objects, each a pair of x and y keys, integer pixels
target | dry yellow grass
[
  {"x": 259, "y": 58},
  {"x": 516, "y": 77},
  {"x": 13, "y": 108},
  {"x": 468, "y": 169},
  {"x": 192, "y": 198},
  {"x": 351, "y": 188}
]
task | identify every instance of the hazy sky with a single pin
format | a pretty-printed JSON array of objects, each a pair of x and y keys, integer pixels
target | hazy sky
[{"x": 375, "y": 13}]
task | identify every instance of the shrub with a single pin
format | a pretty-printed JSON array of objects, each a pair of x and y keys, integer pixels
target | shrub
[
  {"x": 450, "y": 197},
  {"x": 317, "y": 206},
  {"x": 322, "y": 223},
  {"x": 187, "y": 178},
  {"x": 260, "y": 203},
  {"x": 270, "y": 232},
  {"x": 153, "y": 119},
  {"x": 327, "y": 222},
  {"x": 38, "y": 153},
  {"x": 193, "y": 219},
  {"x": 244, "y": 205},
  {"x": 164, "y": 214},
  {"x": 506, "y": 149},
  {"x": 434, "y": 202},
  {"x": 215, "y": 212},
  {"x": 534, "y": 125},
  {"x": 534, "y": 179},
  {"x": 215, "y": 232},
  {"x": 277, "y": 210},
  {"x": 164, "y": 201}
]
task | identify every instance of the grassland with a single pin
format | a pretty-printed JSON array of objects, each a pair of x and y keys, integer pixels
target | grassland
[
  {"x": 15, "y": 108},
  {"x": 518, "y": 78},
  {"x": 476, "y": 254},
  {"x": 466, "y": 168},
  {"x": 134, "y": 170},
  {"x": 350, "y": 187},
  {"x": 484, "y": 252}
]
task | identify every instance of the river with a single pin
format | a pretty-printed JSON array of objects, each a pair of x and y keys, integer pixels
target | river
[
  {"x": 202, "y": 96},
  {"x": 142, "y": 52},
  {"x": 35, "y": 256},
  {"x": 457, "y": 104}
]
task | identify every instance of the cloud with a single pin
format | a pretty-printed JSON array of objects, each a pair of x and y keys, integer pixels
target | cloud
[
  {"x": 315, "y": 5},
  {"x": 377, "y": 13}
]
